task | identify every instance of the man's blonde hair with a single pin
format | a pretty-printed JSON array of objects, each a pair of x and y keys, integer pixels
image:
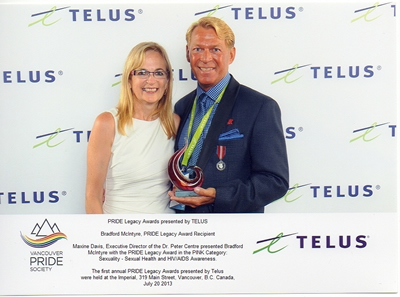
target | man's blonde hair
[{"x": 223, "y": 31}]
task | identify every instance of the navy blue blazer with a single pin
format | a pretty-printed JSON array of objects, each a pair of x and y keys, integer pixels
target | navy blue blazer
[{"x": 256, "y": 172}]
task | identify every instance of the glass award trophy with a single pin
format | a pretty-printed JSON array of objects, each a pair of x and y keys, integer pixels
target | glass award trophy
[{"x": 185, "y": 180}]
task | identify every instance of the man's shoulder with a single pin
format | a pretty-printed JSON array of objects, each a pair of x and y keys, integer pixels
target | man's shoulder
[
  {"x": 182, "y": 103},
  {"x": 250, "y": 95},
  {"x": 187, "y": 97},
  {"x": 244, "y": 89}
]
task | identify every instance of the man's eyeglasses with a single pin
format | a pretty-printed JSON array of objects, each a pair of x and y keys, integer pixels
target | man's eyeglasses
[{"x": 144, "y": 74}]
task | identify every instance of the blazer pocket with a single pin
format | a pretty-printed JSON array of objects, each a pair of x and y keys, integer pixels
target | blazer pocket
[{"x": 231, "y": 134}]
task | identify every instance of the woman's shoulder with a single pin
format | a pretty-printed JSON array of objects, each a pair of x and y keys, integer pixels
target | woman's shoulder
[
  {"x": 105, "y": 117},
  {"x": 105, "y": 121}
]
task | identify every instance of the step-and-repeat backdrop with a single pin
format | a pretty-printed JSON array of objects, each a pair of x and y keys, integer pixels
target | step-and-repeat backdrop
[{"x": 331, "y": 66}]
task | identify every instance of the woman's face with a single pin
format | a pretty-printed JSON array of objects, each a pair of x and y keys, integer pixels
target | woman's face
[{"x": 149, "y": 88}]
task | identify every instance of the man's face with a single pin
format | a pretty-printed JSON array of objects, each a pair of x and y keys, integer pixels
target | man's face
[{"x": 209, "y": 57}]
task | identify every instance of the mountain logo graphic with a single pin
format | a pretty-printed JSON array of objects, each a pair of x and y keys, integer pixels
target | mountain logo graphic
[{"x": 46, "y": 235}]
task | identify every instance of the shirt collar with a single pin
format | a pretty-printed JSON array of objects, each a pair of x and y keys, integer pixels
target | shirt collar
[{"x": 214, "y": 92}]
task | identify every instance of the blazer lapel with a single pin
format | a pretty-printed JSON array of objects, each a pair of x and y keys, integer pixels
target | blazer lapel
[
  {"x": 188, "y": 108},
  {"x": 218, "y": 123}
]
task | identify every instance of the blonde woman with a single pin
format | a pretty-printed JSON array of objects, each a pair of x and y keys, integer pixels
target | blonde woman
[{"x": 130, "y": 145}]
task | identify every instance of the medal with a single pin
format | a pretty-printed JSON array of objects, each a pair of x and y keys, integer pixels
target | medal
[
  {"x": 221, "y": 165},
  {"x": 221, "y": 150}
]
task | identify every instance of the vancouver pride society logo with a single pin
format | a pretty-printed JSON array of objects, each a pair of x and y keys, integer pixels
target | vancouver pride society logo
[
  {"x": 46, "y": 235},
  {"x": 41, "y": 259}
]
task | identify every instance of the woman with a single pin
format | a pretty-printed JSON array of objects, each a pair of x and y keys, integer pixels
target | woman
[{"x": 130, "y": 145}]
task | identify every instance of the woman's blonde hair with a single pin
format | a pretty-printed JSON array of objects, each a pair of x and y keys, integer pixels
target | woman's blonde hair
[{"x": 125, "y": 107}]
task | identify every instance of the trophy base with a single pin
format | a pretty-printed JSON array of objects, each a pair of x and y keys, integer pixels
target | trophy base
[
  {"x": 178, "y": 193},
  {"x": 177, "y": 206}
]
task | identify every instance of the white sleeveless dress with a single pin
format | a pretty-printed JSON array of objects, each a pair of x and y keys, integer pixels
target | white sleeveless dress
[{"x": 137, "y": 179}]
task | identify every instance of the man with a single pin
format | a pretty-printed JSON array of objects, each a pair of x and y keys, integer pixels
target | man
[{"x": 241, "y": 145}]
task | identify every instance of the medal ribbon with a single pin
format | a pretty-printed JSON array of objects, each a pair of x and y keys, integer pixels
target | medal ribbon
[
  {"x": 200, "y": 128},
  {"x": 221, "y": 150}
]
